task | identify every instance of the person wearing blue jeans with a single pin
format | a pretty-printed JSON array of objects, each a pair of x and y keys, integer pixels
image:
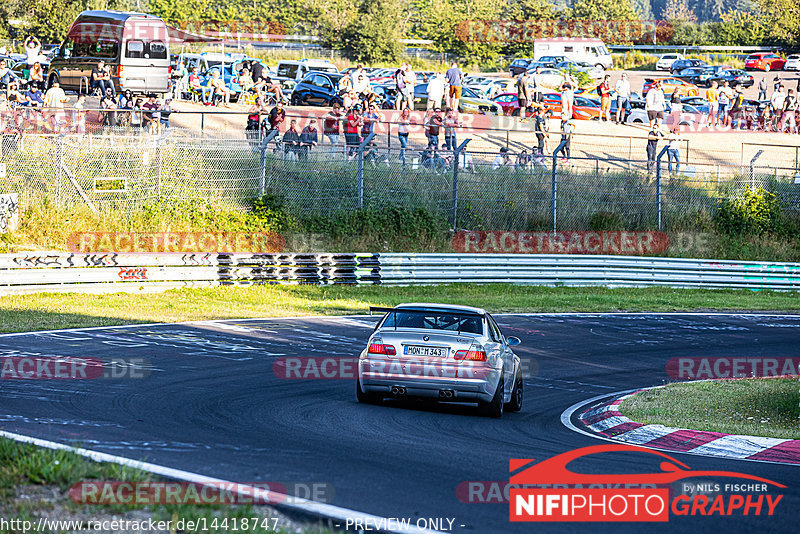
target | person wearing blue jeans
[
  {"x": 402, "y": 133},
  {"x": 674, "y": 149},
  {"x": 450, "y": 124}
]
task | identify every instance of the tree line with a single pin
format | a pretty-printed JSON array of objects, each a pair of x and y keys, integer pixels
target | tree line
[{"x": 369, "y": 30}]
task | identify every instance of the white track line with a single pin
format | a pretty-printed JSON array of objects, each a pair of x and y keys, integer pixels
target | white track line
[
  {"x": 303, "y": 505},
  {"x": 566, "y": 420}
]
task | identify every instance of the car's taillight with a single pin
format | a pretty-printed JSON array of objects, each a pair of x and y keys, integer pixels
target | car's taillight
[
  {"x": 471, "y": 355},
  {"x": 380, "y": 348},
  {"x": 119, "y": 71}
]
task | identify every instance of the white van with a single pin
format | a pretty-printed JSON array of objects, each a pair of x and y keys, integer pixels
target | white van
[
  {"x": 592, "y": 51},
  {"x": 134, "y": 45}
]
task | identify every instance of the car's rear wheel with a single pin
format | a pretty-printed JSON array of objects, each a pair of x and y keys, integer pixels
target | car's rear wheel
[
  {"x": 494, "y": 408},
  {"x": 364, "y": 396},
  {"x": 516, "y": 396},
  {"x": 766, "y": 67},
  {"x": 296, "y": 101}
]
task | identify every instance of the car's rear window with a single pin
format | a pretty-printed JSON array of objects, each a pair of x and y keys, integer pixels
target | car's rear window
[{"x": 434, "y": 320}]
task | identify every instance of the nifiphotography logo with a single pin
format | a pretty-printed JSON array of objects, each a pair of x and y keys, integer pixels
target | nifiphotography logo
[{"x": 549, "y": 491}]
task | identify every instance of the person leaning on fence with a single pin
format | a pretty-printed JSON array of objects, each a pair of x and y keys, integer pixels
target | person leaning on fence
[
  {"x": 331, "y": 126},
  {"x": 652, "y": 148},
  {"x": 450, "y": 124},
  {"x": 151, "y": 118},
  {"x": 54, "y": 100},
  {"x": 502, "y": 159},
  {"x": 276, "y": 117},
  {"x": 435, "y": 125},
  {"x": 673, "y": 149},
  {"x": 309, "y": 138},
  {"x": 368, "y": 121},
  {"x": 540, "y": 127},
  {"x": 563, "y": 147},
  {"x": 291, "y": 141},
  {"x": 253, "y": 128}
]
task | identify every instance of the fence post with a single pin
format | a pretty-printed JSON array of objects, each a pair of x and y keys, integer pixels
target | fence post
[
  {"x": 457, "y": 154},
  {"x": 263, "y": 161},
  {"x": 658, "y": 183},
  {"x": 752, "y": 170},
  {"x": 367, "y": 140},
  {"x": 59, "y": 166},
  {"x": 554, "y": 192}
]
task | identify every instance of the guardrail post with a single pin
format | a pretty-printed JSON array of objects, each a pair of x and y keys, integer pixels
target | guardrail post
[
  {"x": 263, "y": 161},
  {"x": 554, "y": 193},
  {"x": 367, "y": 140},
  {"x": 658, "y": 183},
  {"x": 457, "y": 155},
  {"x": 752, "y": 170}
]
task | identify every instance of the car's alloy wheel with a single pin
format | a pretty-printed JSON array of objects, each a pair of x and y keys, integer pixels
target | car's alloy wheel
[{"x": 766, "y": 67}]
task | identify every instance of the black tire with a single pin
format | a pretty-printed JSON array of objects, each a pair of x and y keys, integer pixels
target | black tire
[
  {"x": 515, "y": 112},
  {"x": 494, "y": 408},
  {"x": 516, "y": 396},
  {"x": 365, "y": 397},
  {"x": 296, "y": 100},
  {"x": 766, "y": 67}
]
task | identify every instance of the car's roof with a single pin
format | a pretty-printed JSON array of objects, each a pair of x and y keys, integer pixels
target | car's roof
[{"x": 450, "y": 307}]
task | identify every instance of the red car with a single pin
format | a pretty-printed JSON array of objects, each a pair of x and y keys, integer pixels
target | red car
[
  {"x": 765, "y": 61},
  {"x": 582, "y": 109}
]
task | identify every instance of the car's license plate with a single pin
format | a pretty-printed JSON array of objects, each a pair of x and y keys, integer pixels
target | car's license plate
[{"x": 417, "y": 350}]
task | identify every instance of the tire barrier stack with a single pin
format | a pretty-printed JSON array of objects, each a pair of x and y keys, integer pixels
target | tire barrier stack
[{"x": 111, "y": 272}]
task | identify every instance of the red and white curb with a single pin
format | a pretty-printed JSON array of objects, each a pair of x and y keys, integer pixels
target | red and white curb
[{"x": 606, "y": 420}]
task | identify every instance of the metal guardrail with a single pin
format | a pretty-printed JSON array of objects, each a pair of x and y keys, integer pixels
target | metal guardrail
[{"x": 101, "y": 273}]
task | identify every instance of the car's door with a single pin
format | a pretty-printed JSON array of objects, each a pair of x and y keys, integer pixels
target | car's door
[{"x": 505, "y": 354}]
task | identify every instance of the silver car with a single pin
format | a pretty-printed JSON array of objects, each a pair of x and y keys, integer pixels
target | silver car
[{"x": 443, "y": 352}]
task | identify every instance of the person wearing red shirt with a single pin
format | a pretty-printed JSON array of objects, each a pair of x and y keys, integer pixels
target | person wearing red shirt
[
  {"x": 352, "y": 125},
  {"x": 605, "y": 99}
]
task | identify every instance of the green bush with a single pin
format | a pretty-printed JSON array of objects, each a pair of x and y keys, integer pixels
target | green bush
[
  {"x": 752, "y": 212},
  {"x": 605, "y": 221}
]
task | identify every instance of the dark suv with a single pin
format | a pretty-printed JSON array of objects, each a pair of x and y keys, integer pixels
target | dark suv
[
  {"x": 317, "y": 89},
  {"x": 681, "y": 64},
  {"x": 519, "y": 65}
]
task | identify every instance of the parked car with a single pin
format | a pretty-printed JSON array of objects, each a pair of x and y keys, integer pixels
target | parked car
[
  {"x": 551, "y": 61},
  {"x": 792, "y": 62},
  {"x": 471, "y": 102},
  {"x": 765, "y": 61},
  {"x": 704, "y": 79},
  {"x": 668, "y": 85},
  {"x": 583, "y": 108},
  {"x": 519, "y": 65},
  {"x": 317, "y": 89},
  {"x": 691, "y": 75},
  {"x": 666, "y": 60},
  {"x": 387, "y": 95},
  {"x": 552, "y": 78},
  {"x": 681, "y": 64},
  {"x": 297, "y": 70},
  {"x": 734, "y": 77},
  {"x": 690, "y": 115}
]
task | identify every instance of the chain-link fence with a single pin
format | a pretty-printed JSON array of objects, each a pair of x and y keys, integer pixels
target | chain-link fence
[{"x": 480, "y": 188}]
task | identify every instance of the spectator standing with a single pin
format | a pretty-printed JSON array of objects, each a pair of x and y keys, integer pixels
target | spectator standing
[
  {"x": 253, "y": 128},
  {"x": 538, "y": 86},
  {"x": 540, "y": 127},
  {"x": 675, "y": 106},
  {"x": 567, "y": 128},
  {"x": 54, "y": 101},
  {"x": 789, "y": 108},
  {"x": 309, "y": 138},
  {"x": 370, "y": 118},
  {"x": 737, "y": 107},
  {"x": 712, "y": 95},
  {"x": 402, "y": 133},
  {"x": 180, "y": 80},
  {"x": 762, "y": 89},
  {"x": 776, "y": 82},
  {"x": 776, "y": 102},
  {"x": 725, "y": 95},
  {"x": 435, "y": 124},
  {"x": 33, "y": 49},
  {"x": 523, "y": 93},
  {"x": 567, "y": 101},
  {"x": 331, "y": 125},
  {"x": 435, "y": 91},
  {"x": 605, "y": 98},
  {"x": 673, "y": 149},
  {"x": 623, "y": 89},
  {"x": 352, "y": 126},
  {"x": 291, "y": 141},
  {"x": 277, "y": 116},
  {"x": 450, "y": 125},
  {"x": 652, "y": 148},
  {"x": 401, "y": 84},
  {"x": 79, "y": 115},
  {"x": 454, "y": 78},
  {"x": 654, "y": 105}
]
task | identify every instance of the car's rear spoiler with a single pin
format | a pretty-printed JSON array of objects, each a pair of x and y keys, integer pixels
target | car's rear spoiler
[{"x": 382, "y": 309}]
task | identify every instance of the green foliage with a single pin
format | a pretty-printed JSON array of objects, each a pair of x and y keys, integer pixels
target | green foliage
[
  {"x": 605, "y": 221},
  {"x": 603, "y": 10},
  {"x": 375, "y": 33},
  {"x": 750, "y": 213}
]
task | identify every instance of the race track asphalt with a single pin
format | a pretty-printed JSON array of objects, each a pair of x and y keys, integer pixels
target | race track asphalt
[{"x": 213, "y": 405}]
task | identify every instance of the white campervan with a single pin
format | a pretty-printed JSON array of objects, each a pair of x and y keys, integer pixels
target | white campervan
[{"x": 592, "y": 51}]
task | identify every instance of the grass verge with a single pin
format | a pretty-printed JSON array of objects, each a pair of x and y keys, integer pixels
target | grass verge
[
  {"x": 44, "y": 311},
  {"x": 752, "y": 406},
  {"x": 34, "y": 484}
]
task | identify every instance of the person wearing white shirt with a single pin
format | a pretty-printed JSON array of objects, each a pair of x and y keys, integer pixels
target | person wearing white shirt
[
  {"x": 567, "y": 101},
  {"x": 674, "y": 149},
  {"x": 537, "y": 84},
  {"x": 435, "y": 91},
  {"x": 623, "y": 90},
  {"x": 654, "y": 105},
  {"x": 502, "y": 159},
  {"x": 33, "y": 49}
]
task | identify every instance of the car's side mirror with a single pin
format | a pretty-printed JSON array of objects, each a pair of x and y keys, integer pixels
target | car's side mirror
[{"x": 513, "y": 341}]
